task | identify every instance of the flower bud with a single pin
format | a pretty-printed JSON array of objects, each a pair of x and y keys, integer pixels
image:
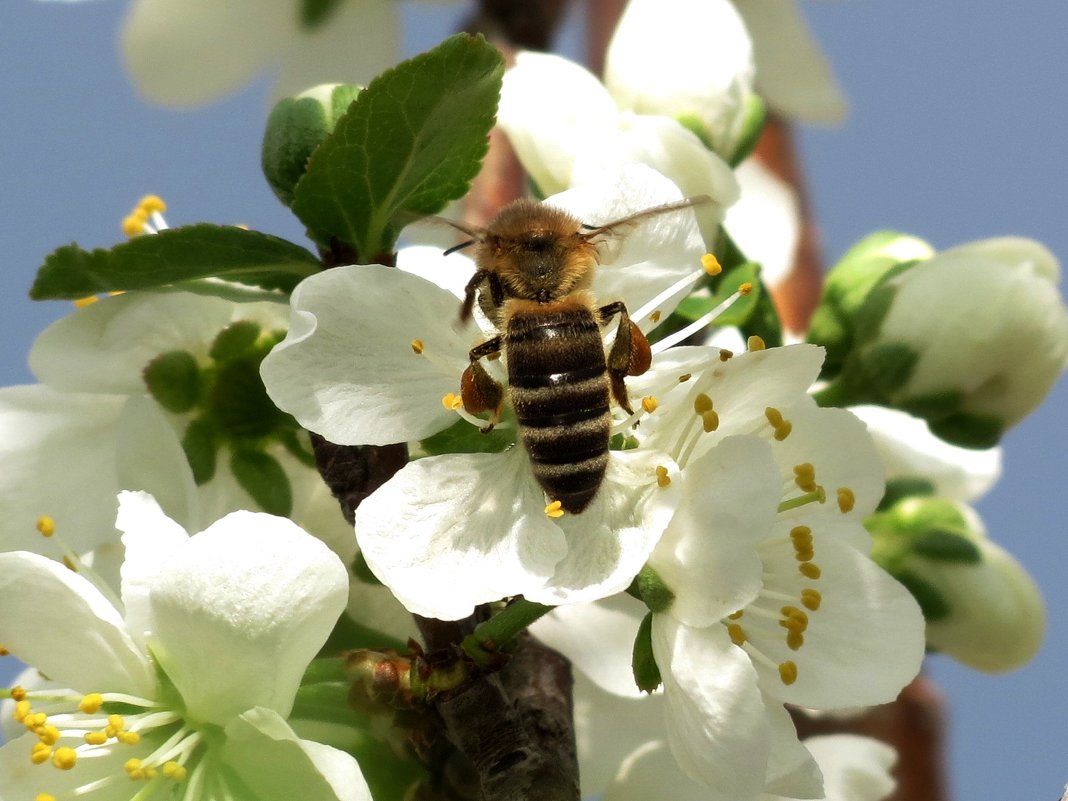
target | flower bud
[
  {"x": 295, "y": 128},
  {"x": 970, "y": 340},
  {"x": 982, "y": 607}
]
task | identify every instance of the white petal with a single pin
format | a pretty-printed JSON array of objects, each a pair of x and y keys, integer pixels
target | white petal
[
  {"x": 185, "y": 54},
  {"x": 610, "y": 541},
  {"x": 353, "y": 45},
  {"x": 450, "y": 272},
  {"x": 672, "y": 150},
  {"x": 716, "y": 722},
  {"x": 151, "y": 539},
  {"x": 765, "y": 222},
  {"x": 791, "y": 767},
  {"x": 655, "y": 252},
  {"x": 549, "y": 107},
  {"x": 909, "y": 450},
  {"x": 854, "y": 768},
  {"x": 276, "y": 765},
  {"x": 58, "y": 452},
  {"x": 708, "y": 556},
  {"x": 863, "y": 644},
  {"x": 58, "y": 622},
  {"x": 598, "y": 639},
  {"x": 793, "y": 75},
  {"x": 449, "y": 532},
  {"x": 106, "y": 346},
  {"x": 651, "y": 772},
  {"x": 255, "y": 593},
  {"x": 347, "y": 369}
]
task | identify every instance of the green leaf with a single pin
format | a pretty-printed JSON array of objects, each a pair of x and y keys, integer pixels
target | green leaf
[
  {"x": 175, "y": 256},
  {"x": 262, "y": 477},
  {"x": 646, "y": 671},
  {"x": 411, "y": 142},
  {"x": 462, "y": 437}
]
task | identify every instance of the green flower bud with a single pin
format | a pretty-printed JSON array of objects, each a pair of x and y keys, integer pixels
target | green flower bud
[
  {"x": 295, "y": 128},
  {"x": 173, "y": 379},
  {"x": 982, "y": 607}
]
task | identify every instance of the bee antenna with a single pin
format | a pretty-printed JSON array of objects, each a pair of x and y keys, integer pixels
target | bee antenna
[{"x": 461, "y": 246}]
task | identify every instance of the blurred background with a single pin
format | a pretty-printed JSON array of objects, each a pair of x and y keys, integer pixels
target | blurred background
[{"x": 958, "y": 116}]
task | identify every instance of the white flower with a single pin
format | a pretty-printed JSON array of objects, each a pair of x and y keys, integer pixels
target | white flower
[
  {"x": 197, "y": 51},
  {"x": 370, "y": 354},
  {"x": 91, "y": 428},
  {"x": 792, "y": 73},
  {"x": 568, "y": 130},
  {"x": 773, "y": 598},
  {"x": 188, "y": 681}
]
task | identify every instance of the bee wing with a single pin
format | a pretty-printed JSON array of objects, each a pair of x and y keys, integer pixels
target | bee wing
[
  {"x": 617, "y": 226},
  {"x": 474, "y": 234}
]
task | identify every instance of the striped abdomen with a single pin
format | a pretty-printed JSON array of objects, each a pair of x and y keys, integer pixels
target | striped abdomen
[{"x": 559, "y": 386}]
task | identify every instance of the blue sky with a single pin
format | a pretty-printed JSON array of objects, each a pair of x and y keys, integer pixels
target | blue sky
[{"x": 956, "y": 133}]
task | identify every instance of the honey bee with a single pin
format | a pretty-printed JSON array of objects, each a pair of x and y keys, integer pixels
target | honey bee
[{"x": 535, "y": 265}]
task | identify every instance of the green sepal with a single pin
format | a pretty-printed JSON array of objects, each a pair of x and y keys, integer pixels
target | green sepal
[
  {"x": 349, "y": 633},
  {"x": 296, "y": 443},
  {"x": 412, "y": 141},
  {"x": 652, "y": 590},
  {"x": 295, "y": 128},
  {"x": 175, "y": 256},
  {"x": 462, "y": 437},
  {"x": 978, "y": 431},
  {"x": 239, "y": 404},
  {"x": 201, "y": 444},
  {"x": 314, "y": 13},
  {"x": 643, "y": 663},
  {"x": 889, "y": 366},
  {"x": 235, "y": 340},
  {"x": 173, "y": 379},
  {"x": 933, "y": 603},
  {"x": 946, "y": 545},
  {"x": 263, "y": 478},
  {"x": 756, "y": 114},
  {"x": 897, "y": 489}
]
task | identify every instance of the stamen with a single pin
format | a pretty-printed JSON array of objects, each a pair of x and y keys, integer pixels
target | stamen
[
  {"x": 805, "y": 476},
  {"x": 653, "y": 305},
  {"x": 736, "y": 633},
  {"x": 554, "y": 509},
  {"x": 655, "y": 316},
  {"x": 782, "y": 427},
  {"x": 417, "y": 345},
  {"x": 696, "y": 325},
  {"x": 65, "y": 758},
  {"x": 788, "y": 672},
  {"x": 452, "y": 402},
  {"x": 152, "y": 204},
  {"x": 88, "y": 300},
  {"x": 711, "y": 264},
  {"x": 745, "y": 288},
  {"x": 810, "y": 570},
  {"x": 710, "y": 421},
  {"x": 818, "y": 495},
  {"x": 44, "y": 797},
  {"x": 91, "y": 703},
  {"x": 649, "y": 403},
  {"x": 46, "y": 525},
  {"x": 662, "y": 477},
  {"x": 846, "y": 499},
  {"x": 685, "y": 377},
  {"x": 755, "y": 343},
  {"x": 725, "y": 355},
  {"x": 16, "y": 693},
  {"x": 811, "y": 599},
  {"x": 702, "y": 403}
]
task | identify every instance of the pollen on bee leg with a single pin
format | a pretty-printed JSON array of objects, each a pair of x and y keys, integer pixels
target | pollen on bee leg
[
  {"x": 846, "y": 499},
  {"x": 554, "y": 509},
  {"x": 662, "y": 477},
  {"x": 417, "y": 346},
  {"x": 711, "y": 264},
  {"x": 46, "y": 526}
]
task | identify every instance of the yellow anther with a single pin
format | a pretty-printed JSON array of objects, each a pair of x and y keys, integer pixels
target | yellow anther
[
  {"x": 804, "y": 554},
  {"x": 17, "y": 693},
  {"x": 655, "y": 316},
  {"x": 69, "y": 564},
  {"x": 710, "y": 421},
  {"x": 805, "y": 476},
  {"x": 96, "y": 737},
  {"x": 22, "y": 709},
  {"x": 846, "y": 499},
  {"x": 452, "y": 402},
  {"x": 35, "y": 720},
  {"x": 793, "y": 613},
  {"x": 736, "y": 632},
  {"x": 794, "y": 640},
  {"x": 117, "y": 722},
  {"x": 133, "y": 769},
  {"x": 91, "y": 703},
  {"x": 40, "y": 753},
  {"x": 128, "y": 737},
  {"x": 417, "y": 345},
  {"x": 46, "y": 526},
  {"x": 725, "y": 355},
  {"x": 133, "y": 224},
  {"x": 172, "y": 770},
  {"x": 152, "y": 203},
  {"x": 48, "y": 734},
  {"x": 44, "y": 797},
  {"x": 811, "y": 599},
  {"x": 783, "y": 431},
  {"x": 755, "y": 343},
  {"x": 788, "y": 672},
  {"x": 662, "y": 477},
  {"x": 151, "y": 773},
  {"x": 774, "y": 416},
  {"x": 702, "y": 403},
  {"x": 88, "y": 300},
  {"x": 64, "y": 758},
  {"x": 736, "y": 615},
  {"x": 810, "y": 570},
  {"x": 745, "y": 288},
  {"x": 649, "y": 403},
  {"x": 554, "y": 509},
  {"x": 801, "y": 535},
  {"x": 685, "y": 377},
  {"x": 711, "y": 264}
]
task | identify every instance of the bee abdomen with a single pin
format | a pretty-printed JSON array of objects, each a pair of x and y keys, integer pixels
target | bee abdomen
[{"x": 558, "y": 382}]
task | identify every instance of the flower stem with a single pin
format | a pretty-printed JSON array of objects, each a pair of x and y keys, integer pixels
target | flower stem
[{"x": 499, "y": 632}]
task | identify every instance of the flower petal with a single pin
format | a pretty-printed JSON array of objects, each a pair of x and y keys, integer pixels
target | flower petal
[
  {"x": 347, "y": 368},
  {"x": 708, "y": 556},
  {"x": 55, "y": 620},
  {"x": 255, "y": 593},
  {"x": 791, "y": 767},
  {"x": 651, "y": 772},
  {"x": 197, "y": 51},
  {"x": 276, "y": 765},
  {"x": 854, "y": 768},
  {"x": 716, "y": 722},
  {"x": 449, "y": 532},
  {"x": 549, "y": 107},
  {"x": 765, "y": 223}
]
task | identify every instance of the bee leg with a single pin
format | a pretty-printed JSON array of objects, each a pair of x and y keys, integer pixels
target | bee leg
[
  {"x": 478, "y": 389},
  {"x": 630, "y": 353}
]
